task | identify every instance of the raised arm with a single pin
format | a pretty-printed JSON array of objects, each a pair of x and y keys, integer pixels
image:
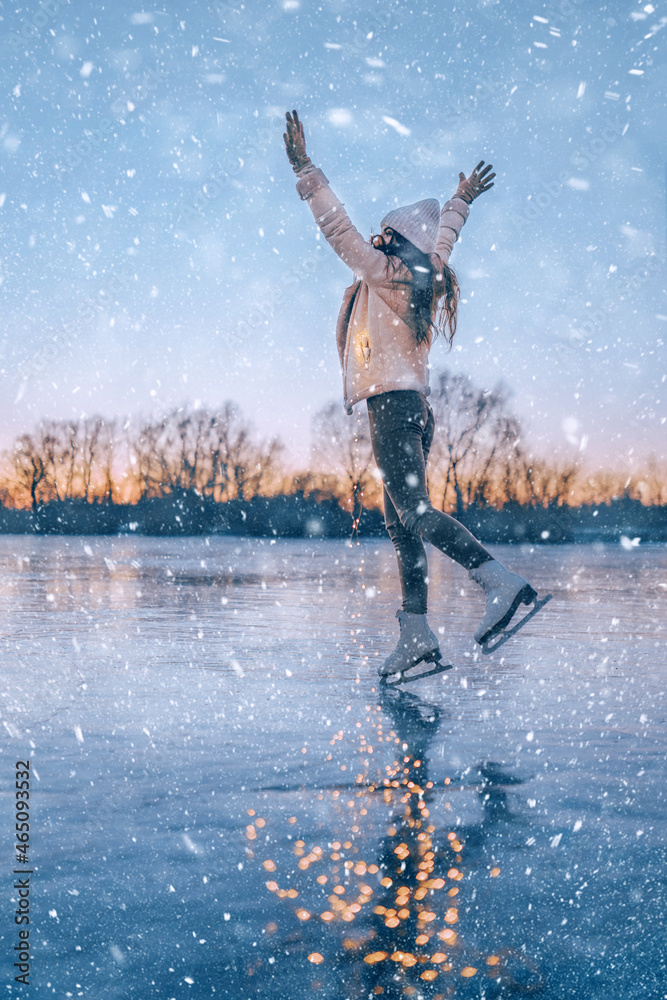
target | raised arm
[
  {"x": 452, "y": 218},
  {"x": 328, "y": 211},
  {"x": 455, "y": 212}
]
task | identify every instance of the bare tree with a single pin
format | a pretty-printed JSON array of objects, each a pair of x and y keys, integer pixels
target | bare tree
[
  {"x": 106, "y": 450},
  {"x": 652, "y": 485},
  {"x": 602, "y": 486},
  {"x": 544, "y": 483},
  {"x": 212, "y": 454},
  {"x": 238, "y": 465},
  {"x": 65, "y": 460},
  {"x": 143, "y": 446},
  {"x": 478, "y": 458},
  {"x": 342, "y": 447},
  {"x": 29, "y": 470},
  {"x": 474, "y": 444},
  {"x": 89, "y": 446}
]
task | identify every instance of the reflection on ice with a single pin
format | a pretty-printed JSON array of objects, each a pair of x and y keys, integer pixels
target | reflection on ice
[
  {"x": 395, "y": 913},
  {"x": 229, "y": 804}
]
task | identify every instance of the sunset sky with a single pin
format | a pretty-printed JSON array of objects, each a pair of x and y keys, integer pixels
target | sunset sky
[{"x": 125, "y": 290}]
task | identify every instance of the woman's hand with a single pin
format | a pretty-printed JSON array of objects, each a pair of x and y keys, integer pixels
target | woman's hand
[
  {"x": 479, "y": 181},
  {"x": 295, "y": 142}
]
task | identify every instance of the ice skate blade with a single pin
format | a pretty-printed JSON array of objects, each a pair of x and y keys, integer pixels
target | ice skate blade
[
  {"x": 408, "y": 675},
  {"x": 501, "y": 637}
]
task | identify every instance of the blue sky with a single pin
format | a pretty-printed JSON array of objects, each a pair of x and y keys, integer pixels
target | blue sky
[{"x": 154, "y": 250}]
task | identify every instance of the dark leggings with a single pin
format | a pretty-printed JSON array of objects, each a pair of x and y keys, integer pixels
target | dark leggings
[{"x": 402, "y": 427}]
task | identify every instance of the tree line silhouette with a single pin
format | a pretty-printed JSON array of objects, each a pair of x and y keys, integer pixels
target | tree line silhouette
[{"x": 479, "y": 462}]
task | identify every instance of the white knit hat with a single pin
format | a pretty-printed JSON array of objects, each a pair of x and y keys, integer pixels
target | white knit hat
[{"x": 418, "y": 223}]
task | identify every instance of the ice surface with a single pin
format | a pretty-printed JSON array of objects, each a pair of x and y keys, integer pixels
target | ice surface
[{"x": 199, "y": 761}]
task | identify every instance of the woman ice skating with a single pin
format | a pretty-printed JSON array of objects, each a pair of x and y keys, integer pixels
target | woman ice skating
[{"x": 404, "y": 295}]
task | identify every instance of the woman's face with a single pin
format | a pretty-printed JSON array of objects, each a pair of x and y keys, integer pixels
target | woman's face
[{"x": 386, "y": 237}]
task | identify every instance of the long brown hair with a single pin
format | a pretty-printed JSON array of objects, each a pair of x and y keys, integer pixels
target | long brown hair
[{"x": 435, "y": 295}]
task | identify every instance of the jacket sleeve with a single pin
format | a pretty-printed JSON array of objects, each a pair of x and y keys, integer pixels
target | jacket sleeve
[
  {"x": 337, "y": 229},
  {"x": 452, "y": 218}
]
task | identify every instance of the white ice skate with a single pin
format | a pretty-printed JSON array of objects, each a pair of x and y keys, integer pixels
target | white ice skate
[
  {"x": 505, "y": 591},
  {"x": 417, "y": 653}
]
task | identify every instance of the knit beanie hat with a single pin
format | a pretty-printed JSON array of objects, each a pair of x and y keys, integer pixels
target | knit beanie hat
[{"x": 418, "y": 223}]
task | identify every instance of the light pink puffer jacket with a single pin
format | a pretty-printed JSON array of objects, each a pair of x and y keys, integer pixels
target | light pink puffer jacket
[{"x": 377, "y": 348}]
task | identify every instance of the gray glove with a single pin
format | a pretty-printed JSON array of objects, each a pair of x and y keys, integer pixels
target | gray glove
[
  {"x": 478, "y": 182},
  {"x": 295, "y": 142}
]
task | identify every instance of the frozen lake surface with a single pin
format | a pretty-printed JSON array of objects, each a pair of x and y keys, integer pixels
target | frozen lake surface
[{"x": 225, "y": 804}]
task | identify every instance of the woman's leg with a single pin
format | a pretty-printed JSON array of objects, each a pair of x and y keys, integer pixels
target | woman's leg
[
  {"x": 401, "y": 424},
  {"x": 411, "y": 558}
]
